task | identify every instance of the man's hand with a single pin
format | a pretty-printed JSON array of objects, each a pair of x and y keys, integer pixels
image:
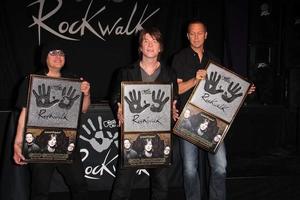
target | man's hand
[
  {"x": 200, "y": 74},
  {"x": 252, "y": 89},
  {"x": 18, "y": 156},
  {"x": 175, "y": 112}
]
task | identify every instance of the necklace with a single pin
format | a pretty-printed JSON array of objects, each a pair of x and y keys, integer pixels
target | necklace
[{"x": 150, "y": 69}]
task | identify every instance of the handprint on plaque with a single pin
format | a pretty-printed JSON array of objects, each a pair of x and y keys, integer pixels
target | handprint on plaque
[
  {"x": 134, "y": 102},
  {"x": 43, "y": 97},
  {"x": 98, "y": 139},
  {"x": 212, "y": 82},
  {"x": 232, "y": 92},
  {"x": 159, "y": 101},
  {"x": 68, "y": 98}
]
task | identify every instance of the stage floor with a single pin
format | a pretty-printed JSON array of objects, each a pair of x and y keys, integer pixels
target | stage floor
[{"x": 273, "y": 176}]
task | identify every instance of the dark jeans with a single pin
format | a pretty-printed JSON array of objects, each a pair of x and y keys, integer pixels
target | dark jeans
[
  {"x": 125, "y": 178},
  {"x": 193, "y": 181},
  {"x": 73, "y": 174}
]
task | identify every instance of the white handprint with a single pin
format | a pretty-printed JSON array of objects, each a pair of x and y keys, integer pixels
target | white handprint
[{"x": 99, "y": 135}]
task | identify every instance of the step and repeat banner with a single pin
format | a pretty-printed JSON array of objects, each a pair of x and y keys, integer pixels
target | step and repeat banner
[{"x": 99, "y": 36}]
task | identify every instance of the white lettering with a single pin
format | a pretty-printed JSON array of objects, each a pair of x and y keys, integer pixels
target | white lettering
[{"x": 81, "y": 26}]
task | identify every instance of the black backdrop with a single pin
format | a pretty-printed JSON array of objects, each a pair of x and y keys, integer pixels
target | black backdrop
[{"x": 100, "y": 35}]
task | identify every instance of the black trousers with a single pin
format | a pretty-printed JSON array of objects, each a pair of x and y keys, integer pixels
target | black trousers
[
  {"x": 125, "y": 178},
  {"x": 73, "y": 174}
]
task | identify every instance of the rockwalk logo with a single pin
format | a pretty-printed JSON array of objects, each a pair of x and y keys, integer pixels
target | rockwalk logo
[
  {"x": 101, "y": 140},
  {"x": 99, "y": 134},
  {"x": 75, "y": 30}
]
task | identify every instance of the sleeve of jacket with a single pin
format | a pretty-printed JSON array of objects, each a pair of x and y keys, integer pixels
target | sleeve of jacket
[
  {"x": 115, "y": 96},
  {"x": 175, "y": 84}
]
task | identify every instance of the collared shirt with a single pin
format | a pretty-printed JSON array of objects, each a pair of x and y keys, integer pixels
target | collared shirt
[{"x": 186, "y": 63}]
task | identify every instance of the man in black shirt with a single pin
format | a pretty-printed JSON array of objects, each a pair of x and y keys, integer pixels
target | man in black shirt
[{"x": 189, "y": 65}]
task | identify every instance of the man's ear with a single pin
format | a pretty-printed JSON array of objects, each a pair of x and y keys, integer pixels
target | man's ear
[
  {"x": 205, "y": 35},
  {"x": 188, "y": 37}
]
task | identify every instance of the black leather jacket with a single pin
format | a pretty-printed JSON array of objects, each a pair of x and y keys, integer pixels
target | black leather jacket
[{"x": 133, "y": 73}]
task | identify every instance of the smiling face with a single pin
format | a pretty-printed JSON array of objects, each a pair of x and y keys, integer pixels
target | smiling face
[
  {"x": 55, "y": 60},
  {"x": 149, "y": 47}
]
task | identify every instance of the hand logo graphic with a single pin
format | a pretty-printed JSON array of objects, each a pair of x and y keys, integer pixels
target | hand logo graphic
[
  {"x": 159, "y": 100},
  {"x": 43, "y": 97},
  {"x": 212, "y": 82},
  {"x": 233, "y": 92},
  {"x": 98, "y": 140},
  {"x": 68, "y": 99},
  {"x": 135, "y": 102}
]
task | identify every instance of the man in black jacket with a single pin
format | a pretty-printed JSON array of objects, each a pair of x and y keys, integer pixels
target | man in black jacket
[{"x": 147, "y": 69}]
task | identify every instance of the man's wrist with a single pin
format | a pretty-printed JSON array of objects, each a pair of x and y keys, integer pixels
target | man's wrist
[{"x": 18, "y": 144}]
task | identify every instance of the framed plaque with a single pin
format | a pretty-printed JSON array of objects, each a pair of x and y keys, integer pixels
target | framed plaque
[
  {"x": 53, "y": 109},
  {"x": 212, "y": 107},
  {"x": 146, "y": 149},
  {"x": 146, "y": 131}
]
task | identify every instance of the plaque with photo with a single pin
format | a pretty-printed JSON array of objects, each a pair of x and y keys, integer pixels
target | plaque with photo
[
  {"x": 145, "y": 133},
  {"x": 212, "y": 107},
  {"x": 54, "y": 107}
]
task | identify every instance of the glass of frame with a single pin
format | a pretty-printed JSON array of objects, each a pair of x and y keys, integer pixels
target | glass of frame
[
  {"x": 146, "y": 106},
  {"x": 201, "y": 128},
  {"x": 221, "y": 93},
  {"x": 146, "y": 150},
  {"x": 53, "y": 102},
  {"x": 54, "y": 107}
]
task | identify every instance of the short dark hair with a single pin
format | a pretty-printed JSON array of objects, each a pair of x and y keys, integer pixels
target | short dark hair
[
  {"x": 154, "y": 33},
  {"x": 196, "y": 21}
]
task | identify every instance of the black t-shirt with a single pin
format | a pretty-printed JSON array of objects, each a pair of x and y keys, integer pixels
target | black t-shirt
[
  {"x": 186, "y": 63},
  {"x": 23, "y": 89}
]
